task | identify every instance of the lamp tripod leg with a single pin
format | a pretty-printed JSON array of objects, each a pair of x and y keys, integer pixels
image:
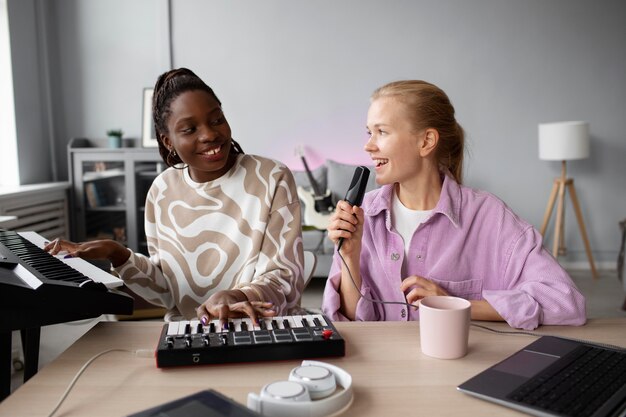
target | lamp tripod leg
[
  {"x": 558, "y": 228},
  {"x": 548, "y": 213},
  {"x": 583, "y": 230}
]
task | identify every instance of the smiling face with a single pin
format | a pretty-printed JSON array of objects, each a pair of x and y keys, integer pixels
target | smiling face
[
  {"x": 393, "y": 145},
  {"x": 199, "y": 133}
]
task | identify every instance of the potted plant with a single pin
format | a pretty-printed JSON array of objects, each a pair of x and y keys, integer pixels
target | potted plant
[{"x": 115, "y": 138}]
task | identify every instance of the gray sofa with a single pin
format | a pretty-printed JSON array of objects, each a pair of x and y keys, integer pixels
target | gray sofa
[{"x": 335, "y": 177}]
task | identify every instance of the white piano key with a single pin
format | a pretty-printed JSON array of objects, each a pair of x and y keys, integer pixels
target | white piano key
[
  {"x": 194, "y": 326},
  {"x": 237, "y": 323},
  {"x": 297, "y": 321},
  {"x": 181, "y": 326},
  {"x": 86, "y": 268},
  {"x": 290, "y": 320},
  {"x": 172, "y": 328}
]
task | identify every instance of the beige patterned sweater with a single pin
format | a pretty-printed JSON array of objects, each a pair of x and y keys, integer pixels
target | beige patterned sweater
[{"x": 241, "y": 231}]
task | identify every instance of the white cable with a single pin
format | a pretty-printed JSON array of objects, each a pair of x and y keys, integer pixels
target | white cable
[{"x": 141, "y": 353}]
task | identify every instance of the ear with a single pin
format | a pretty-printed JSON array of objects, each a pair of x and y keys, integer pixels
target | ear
[
  {"x": 429, "y": 143},
  {"x": 166, "y": 142}
]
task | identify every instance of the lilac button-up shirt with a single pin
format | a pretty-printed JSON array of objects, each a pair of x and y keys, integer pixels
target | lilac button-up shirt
[{"x": 474, "y": 247}]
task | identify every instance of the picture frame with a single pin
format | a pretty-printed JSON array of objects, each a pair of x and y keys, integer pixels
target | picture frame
[{"x": 148, "y": 133}]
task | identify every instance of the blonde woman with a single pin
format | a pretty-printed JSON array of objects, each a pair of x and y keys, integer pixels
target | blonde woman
[{"x": 423, "y": 233}]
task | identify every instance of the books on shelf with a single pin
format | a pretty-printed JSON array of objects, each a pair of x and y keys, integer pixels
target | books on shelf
[{"x": 91, "y": 193}]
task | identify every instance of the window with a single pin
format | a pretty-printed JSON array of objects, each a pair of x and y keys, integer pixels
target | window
[{"x": 9, "y": 172}]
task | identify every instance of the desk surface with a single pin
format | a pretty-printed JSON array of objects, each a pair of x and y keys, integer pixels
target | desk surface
[{"x": 391, "y": 377}]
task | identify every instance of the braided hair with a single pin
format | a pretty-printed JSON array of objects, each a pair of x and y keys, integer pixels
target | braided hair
[{"x": 168, "y": 87}]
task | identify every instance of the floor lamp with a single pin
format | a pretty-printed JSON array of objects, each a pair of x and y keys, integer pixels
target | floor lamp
[{"x": 563, "y": 141}]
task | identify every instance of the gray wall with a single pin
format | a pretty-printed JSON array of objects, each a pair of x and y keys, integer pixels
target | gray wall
[{"x": 293, "y": 73}]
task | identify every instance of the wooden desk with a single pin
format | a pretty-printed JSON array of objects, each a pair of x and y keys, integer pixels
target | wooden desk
[{"x": 391, "y": 376}]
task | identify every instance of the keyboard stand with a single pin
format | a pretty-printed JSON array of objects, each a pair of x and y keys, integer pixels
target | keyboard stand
[
  {"x": 29, "y": 323},
  {"x": 30, "y": 345}
]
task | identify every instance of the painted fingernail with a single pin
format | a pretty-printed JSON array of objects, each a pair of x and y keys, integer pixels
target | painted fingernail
[
  {"x": 69, "y": 255},
  {"x": 204, "y": 320},
  {"x": 225, "y": 326}
]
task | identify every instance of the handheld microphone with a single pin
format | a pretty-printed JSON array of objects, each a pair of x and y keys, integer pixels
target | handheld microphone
[{"x": 356, "y": 190}]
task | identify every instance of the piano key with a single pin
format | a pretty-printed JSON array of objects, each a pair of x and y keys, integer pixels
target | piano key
[
  {"x": 294, "y": 321},
  {"x": 212, "y": 327},
  {"x": 320, "y": 319},
  {"x": 181, "y": 326},
  {"x": 194, "y": 326},
  {"x": 172, "y": 328},
  {"x": 77, "y": 264},
  {"x": 248, "y": 322}
]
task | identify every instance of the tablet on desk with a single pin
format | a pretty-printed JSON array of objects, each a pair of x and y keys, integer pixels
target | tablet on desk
[{"x": 208, "y": 403}]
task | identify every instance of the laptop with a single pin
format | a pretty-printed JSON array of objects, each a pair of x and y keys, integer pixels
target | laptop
[{"x": 556, "y": 377}]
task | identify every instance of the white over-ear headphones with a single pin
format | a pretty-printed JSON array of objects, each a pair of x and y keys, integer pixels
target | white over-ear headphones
[{"x": 306, "y": 394}]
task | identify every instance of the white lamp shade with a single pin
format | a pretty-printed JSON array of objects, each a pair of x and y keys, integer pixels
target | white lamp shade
[{"x": 562, "y": 141}]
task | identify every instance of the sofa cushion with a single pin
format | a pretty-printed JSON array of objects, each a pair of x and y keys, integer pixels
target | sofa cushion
[
  {"x": 319, "y": 174},
  {"x": 339, "y": 176}
]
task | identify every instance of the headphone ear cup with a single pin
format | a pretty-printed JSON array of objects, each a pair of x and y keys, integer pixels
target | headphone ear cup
[
  {"x": 286, "y": 391},
  {"x": 319, "y": 381}
]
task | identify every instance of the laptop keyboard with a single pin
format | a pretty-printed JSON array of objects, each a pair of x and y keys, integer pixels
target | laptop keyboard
[{"x": 578, "y": 387}]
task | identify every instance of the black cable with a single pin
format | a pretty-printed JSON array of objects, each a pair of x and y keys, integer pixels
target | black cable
[{"x": 369, "y": 299}]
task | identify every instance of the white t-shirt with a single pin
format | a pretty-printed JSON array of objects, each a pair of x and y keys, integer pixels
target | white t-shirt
[{"x": 405, "y": 221}]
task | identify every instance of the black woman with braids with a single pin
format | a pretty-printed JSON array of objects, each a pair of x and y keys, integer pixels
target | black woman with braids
[{"x": 223, "y": 227}]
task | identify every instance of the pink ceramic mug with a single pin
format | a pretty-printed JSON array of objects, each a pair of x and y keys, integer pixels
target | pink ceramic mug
[{"x": 444, "y": 326}]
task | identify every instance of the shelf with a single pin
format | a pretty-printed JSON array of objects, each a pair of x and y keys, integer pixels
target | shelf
[
  {"x": 110, "y": 186},
  {"x": 147, "y": 174},
  {"x": 107, "y": 208},
  {"x": 100, "y": 175}
]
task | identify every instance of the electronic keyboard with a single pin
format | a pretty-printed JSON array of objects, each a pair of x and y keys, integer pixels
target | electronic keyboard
[
  {"x": 274, "y": 338},
  {"x": 31, "y": 279},
  {"x": 39, "y": 289}
]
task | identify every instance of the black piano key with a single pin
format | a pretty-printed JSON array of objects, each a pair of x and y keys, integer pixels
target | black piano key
[
  {"x": 286, "y": 324},
  {"x": 262, "y": 324},
  {"x": 317, "y": 321},
  {"x": 187, "y": 328},
  {"x": 305, "y": 323},
  {"x": 44, "y": 264},
  {"x": 244, "y": 326},
  {"x": 231, "y": 326},
  {"x": 212, "y": 327},
  {"x": 199, "y": 328}
]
